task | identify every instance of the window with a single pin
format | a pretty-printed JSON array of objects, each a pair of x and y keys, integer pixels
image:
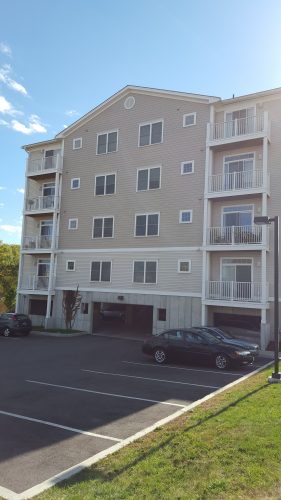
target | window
[
  {"x": 187, "y": 167},
  {"x": 161, "y": 314},
  {"x": 77, "y": 143},
  {"x": 75, "y": 183},
  {"x": 147, "y": 225},
  {"x": 184, "y": 266},
  {"x": 239, "y": 122},
  {"x": 103, "y": 227},
  {"x": 148, "y": 178},
  {"x": 145, "y": 271},
  {"x": 72, "y": 224},
  {"x": 189, "y": 119},
  {"x": 239, "y": 172},
  {"x": 101, "y": 271},
  {"x": 70, "y": 265},
  {"x": 107, "y": 142},
  {"x": 239, "y": 215},
  {"x": 105, "y": 184},
  {"x": 151, "y": 133},
  {"x": 84, "y": 308},
  {"x": 185, "y": 216}
]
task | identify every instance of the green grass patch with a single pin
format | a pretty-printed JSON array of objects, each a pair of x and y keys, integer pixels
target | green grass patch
[
  {"x": 227, "y": 448},
  {"x": 54, "y": 330}
]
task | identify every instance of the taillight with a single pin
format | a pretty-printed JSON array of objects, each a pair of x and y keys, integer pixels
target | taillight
[{"x": 14, "y": 318}]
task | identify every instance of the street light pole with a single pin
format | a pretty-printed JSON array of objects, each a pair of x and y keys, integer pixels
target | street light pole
[{"x": 276, "y": 375}]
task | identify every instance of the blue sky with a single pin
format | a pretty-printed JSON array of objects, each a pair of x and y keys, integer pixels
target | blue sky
[{"x": 61, "y": 58}]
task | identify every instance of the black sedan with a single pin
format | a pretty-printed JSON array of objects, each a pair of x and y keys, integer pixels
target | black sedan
[
  {"x": 14, "y": 324},
  {"x": 229, "y": 339},
  {"x": 190, "y": 345}
]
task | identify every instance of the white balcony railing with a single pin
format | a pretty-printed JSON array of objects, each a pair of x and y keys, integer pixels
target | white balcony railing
[
  {"x": 43, "y": 164},
  {"x": 251, "y": 125},
  {"x": 234, "y": 291},
  {"x": 36, "y": 283},
  {"x": 41, "y": 203},
  {"x": 36, "y": 242},
  {"x": 235, "y": 235},
  {"x": 236, "y": 181}
]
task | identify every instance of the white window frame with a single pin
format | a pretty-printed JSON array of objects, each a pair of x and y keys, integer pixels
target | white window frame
[
  {"x": 75, "y": 179},
  {"x": 151, "y": 123},
  {"x": 251, "y": 209},
  {"x": 189, "y": 124},
  {"x": 77, "y": 139},
  {"x": 103, "y": 217},
  {"x": 148, "y": 188},
  {"x": 191, "y": 216},
  {"x": 70, "y": 270},
  {"x": 69, "y": 224},
  {"x": 189, "y": 266},
  {"x": 238, "y": 107},
  {"x": 105, "y": 175},
  {"x": 147, "y": 235},
  {"x": 145, "y": 261},
  {"x": 100, "y": 261},
  {"x": 106, "y": 132},
  {"x": 184, "y": 163},
  {"x": 226, "y": 261}
]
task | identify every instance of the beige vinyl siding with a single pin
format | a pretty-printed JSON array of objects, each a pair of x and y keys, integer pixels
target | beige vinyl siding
[
  {"x": 177, "y": 192},
  {"x": 168, "y": 278}
]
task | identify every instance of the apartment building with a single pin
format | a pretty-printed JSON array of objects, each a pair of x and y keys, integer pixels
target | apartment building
[{"x": 147, "y": 204}]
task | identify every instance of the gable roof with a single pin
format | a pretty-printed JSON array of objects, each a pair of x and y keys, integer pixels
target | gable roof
[{"x": 139, "y": 90}]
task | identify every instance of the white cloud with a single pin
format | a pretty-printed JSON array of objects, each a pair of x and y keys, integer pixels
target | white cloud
[
  {"x": 2, "y": 188},
  {"x": 2, "y": 205},
  {"x": 72, "y": 112},
  {"x": 5, "y": 106},
  {"x": 34, "y": 126},
  {"x": 5, "y": 49},
  {"x": 10, "y": 229},
  {"x": 7, "y": 80},
  {"x": 20, "y": 190}
]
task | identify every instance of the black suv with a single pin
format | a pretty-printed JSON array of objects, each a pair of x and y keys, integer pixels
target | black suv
[{"x": 13, "y": 324}]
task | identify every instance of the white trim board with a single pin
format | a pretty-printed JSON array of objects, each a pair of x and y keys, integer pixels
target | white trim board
[
  {"x": 129, "y": 250},
  {"x": 132, "y": 291}
]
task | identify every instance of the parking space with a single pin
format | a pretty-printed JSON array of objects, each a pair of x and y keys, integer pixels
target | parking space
[{"x": 66, "y": 401}]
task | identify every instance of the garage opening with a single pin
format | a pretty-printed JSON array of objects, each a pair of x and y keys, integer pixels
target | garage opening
[
  {"x": 243, "y": 326},
  {"x": 129, "y": 319}
]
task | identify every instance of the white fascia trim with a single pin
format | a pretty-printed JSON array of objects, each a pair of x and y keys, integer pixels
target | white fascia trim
[
  {"x": 137, "y": 90},
  {"x": 132, "y": 291},
  {"x": 130, "y": 250}
]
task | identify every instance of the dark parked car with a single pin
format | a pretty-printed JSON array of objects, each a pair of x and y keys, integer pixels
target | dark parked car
[
  {"x": 229, "y": 339},
  {"x": 14, "y": 324},
  {"x": 190, "y": 345}
]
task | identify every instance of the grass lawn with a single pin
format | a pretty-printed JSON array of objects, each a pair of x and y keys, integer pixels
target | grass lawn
[{"x": 228, "y": 448}]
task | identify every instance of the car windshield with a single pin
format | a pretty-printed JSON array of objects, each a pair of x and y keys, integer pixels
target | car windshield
[
  {"x": 210, "y": 338},
  {"x": 222, "y": 333}
]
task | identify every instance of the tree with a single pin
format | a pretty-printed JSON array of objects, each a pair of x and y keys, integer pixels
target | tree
[
  {"x": 9, "y": 266},
  {"x": 71, "y": 302}
]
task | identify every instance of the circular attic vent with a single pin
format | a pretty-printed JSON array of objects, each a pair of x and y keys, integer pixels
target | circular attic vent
[{"x": 129, "y": 102}]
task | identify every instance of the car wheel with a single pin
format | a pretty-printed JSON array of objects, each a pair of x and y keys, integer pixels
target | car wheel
[
  {"x": 222, "y": 361},
  {"x": 160, "y": 355},
  {"x": 7, "y": 332}
]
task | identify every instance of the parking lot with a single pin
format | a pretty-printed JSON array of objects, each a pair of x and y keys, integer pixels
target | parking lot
[{"x": 65, "y": 401}]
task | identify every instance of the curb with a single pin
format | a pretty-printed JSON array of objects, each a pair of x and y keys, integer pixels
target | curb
[{"x": 61, "y": 335}]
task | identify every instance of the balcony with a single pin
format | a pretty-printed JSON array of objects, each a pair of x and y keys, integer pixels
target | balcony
[
  {"x": 237, "y": 183},
  {"x": 44, "y": 165},
  {"x": 42, "y": 204},
  {"x": 37, "y": 242},
  {"x": 233, "y": 291},
  {"x": 247, "y": 236},
  {"x": 35, "y": 283},
  {"x": 241, "y": 129}
]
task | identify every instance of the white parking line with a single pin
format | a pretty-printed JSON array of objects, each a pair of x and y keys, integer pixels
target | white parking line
[
  {"x": 185, "y": 369},
  {"x": 64, "y": 427},
  {"x": 153, "y": 379},
  {"x": 106, "y": 393}
]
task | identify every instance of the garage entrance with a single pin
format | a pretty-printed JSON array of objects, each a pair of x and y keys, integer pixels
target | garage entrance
[{"x": 130, "y": 319}]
